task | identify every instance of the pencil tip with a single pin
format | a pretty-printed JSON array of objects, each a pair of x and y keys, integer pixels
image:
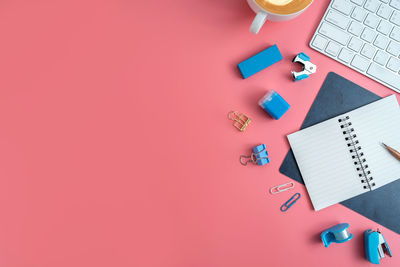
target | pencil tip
[{"x": 383, "y": 144}]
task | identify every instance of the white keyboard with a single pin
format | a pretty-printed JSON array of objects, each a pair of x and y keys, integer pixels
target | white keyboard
[{"x": 363, "y": 35}]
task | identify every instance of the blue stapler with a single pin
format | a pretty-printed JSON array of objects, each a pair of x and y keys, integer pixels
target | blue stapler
[
  {"x": 375, "y": 246},
  {"x": 308, "y": 67},
  {"x": 337, "y": 234},
  {"x": 259, "y": 156}
]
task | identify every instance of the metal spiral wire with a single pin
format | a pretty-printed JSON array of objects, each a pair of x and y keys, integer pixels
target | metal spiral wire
[{"x": 356, "y": 153}]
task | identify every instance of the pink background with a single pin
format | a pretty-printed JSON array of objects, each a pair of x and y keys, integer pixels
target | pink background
[{"x": 116, "y": 149}]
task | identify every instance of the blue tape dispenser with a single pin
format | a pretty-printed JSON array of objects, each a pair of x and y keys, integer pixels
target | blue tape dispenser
[
  {"x": 308, "y": 67},
  {"x": 337, "y": 234},
  {"x": 259, "y": 156},
  {"x": 375, "y": 246}
]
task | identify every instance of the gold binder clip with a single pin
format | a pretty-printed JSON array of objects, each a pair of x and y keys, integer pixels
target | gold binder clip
[{"x": 240, "y": 120}]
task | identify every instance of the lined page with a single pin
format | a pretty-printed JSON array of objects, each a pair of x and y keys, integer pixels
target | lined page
[
  {"x": 375, "y": 123},
  {"x": 325, "y": 163}
]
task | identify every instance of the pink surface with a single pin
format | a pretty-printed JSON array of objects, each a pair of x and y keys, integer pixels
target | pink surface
[{"x": 116, "y": 149}]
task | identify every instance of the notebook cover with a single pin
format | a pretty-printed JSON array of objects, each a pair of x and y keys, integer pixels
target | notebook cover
[{"x": 337, "y": 96}]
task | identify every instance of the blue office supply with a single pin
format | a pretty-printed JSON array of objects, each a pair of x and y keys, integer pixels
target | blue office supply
[
  {"x": 337, "y": 96},
  {"x": 375, "y": 246},
  {"x": 259, "y": 156},
  {"x": 260, "y": 61},
  {"x": 274, "y": 104},
  {"x": 337, "y": 234},
  {"x": 290, "y": 202},
  {"x": 308, "y": 67}
]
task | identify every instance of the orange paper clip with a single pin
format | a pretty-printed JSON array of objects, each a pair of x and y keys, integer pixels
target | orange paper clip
[{"x": 240, "y": 120}]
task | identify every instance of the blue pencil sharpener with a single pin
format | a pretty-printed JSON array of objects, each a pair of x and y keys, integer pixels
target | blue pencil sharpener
[
  {"x": 274, "y": 104},
  {"x": 337, "y": 234}
]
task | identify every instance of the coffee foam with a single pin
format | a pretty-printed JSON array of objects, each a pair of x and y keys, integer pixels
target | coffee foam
[
  {"x": 283, "y": 7},
  {"x": 279, "y": 2}
]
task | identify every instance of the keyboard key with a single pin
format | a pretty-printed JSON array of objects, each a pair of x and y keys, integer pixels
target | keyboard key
[
  {"x": 320, "y": 42},
  {"x": 355, "y": 44},
  {"x": 334, "y": 33},
  {"x": 338, "y": 19},
  {"x": 381, "y": 41},
  {"x": 395, "y": 18},
  {"x": 355, "y": 28},
  {"x": 395, "y": 34},
  {"x": 381, "y": 57},
  {"x": 364, "y": 35},
  {"x": 384, "y": 11},
  {"x": 368, "y": 35},
  {"x": 346, "y": 55},
  {"x": 332, "y": 49},
  {"x": 372, "y": 5},
  {"x": 384, "y": 27},
  {"x": 358, "y": 2},
  {"x": 371, "y": 21},
  {"x": 394, "y": 48},
  {"x": 395, "y": 4},
  {"x": 394, "y": 64},
  {"x": 384, "y": 75},
  {"x": 359, "y": 14},
  {"x": 343, "y": 6},
  {"x": 368, "y": 51},
  {"x": 360, "y": 63}
]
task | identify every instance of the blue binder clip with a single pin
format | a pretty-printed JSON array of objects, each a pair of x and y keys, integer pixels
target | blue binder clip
[
  {"x": 308, "y": 67},
  {"x": 337, "y": 234},
  {"x": 375, "y": 246},
  {"x": 259, "y": 156}
]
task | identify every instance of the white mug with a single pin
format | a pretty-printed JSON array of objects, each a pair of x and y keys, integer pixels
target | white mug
[{"x": 263, "y": 15}]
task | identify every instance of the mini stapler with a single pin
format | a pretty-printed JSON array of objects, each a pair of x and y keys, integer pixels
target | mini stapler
[
  {"x": 308, "y": 67},
  {"x": 375, "y": 246}
]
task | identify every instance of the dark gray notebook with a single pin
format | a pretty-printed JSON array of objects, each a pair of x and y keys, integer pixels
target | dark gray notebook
[{"x": 338, "y": 96}]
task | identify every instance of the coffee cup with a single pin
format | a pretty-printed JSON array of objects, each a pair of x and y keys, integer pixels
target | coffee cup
[{"x": 275, "y": 10}]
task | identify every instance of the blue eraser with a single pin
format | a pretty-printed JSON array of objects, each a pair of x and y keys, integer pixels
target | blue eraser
[
  {"x": 260, "y": 61},
  {"x": 274, "y": 104}
]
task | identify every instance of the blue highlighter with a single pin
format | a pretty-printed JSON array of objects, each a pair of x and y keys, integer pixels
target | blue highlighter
[{"x": 274, "y": 104}]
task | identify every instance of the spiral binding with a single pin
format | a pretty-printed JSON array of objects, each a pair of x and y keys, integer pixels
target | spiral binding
[{"x": 356, "y": 153}]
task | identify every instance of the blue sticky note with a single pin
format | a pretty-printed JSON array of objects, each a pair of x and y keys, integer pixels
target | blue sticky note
[
  {"x": 260, "y": 61},
  {"x": 274, "y": 104}
]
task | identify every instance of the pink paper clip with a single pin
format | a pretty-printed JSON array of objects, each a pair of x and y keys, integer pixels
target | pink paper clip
[{"x": 280, "y": 188}]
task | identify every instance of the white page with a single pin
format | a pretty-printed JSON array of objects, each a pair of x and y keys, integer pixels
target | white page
[
  {"x": 373, "y": 124},
  {"x": 325, "y": 161}
]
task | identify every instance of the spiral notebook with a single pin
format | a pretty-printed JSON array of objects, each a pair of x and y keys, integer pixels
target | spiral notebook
[{"x": 343, "y": 157}]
